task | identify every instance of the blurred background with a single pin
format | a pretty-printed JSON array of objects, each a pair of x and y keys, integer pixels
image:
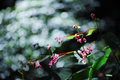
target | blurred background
[{"x": 23, "y": 23}]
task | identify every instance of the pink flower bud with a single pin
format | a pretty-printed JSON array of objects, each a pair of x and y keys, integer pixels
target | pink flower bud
[
  {"x": 93, "y": 15},
  {"x": 48, "y": 47},
  {"x": 79, "y": 52},
  {"x": 84, "y": 55},
  {"x": 80, "y": 40},
  {"x": 32, "y": 63},
  {"x": 84, "y": 40},
  {"x": 74, "y": 25},
  {"x": 76, "y": 36},
  {"x": 51, "y": 63},
  {"x": 90, "y": 50},
  {"x": 84, "y": 62},
  {"x": 36, "y": 66},
  {"x": 40, "y": 66},
  {"x": 100, "y": 75}
]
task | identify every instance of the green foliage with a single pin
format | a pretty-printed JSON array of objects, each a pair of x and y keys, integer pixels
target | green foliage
[
  {"x": 64, "y": 73},
  {"x": 97, "y": 19},
  {"x": 81, "y": 74},
  {"x": 91, "y": 31},
  {"x": 98, "y": 63}
]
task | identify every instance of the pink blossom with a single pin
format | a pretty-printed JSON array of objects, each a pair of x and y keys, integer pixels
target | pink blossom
[
  {"x": 51, "y": 63},
  {"x": 37, "y": 64},
  {"x": 93, "y": 15},
  {"x": 87, "y": 50},
  {"x": 84, "y": 62},
  {"x": 84, "y": 55},
  {"x": 84, "y": 40},
  {"x": 55, "y": 58},
  {"x": 90, "y": 50},
  {"x": 79, "y": 52},
  {"x": 40, "y": 66},
  {"x": 59, "y": 40},
  {"x": 74, "y": 25},
  {"x": 80, "y": 40},
  {"x": 76, "y": 36}
]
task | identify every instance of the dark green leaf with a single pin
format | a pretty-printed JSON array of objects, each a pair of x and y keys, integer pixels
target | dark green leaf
[
  {"x": 81, "y": 75},
  {"x": 52, "y": 49},
  {"x": 111, "y": 40},
  {"x": 64, "y": 73},
  {"x": 112, "y": 37}
]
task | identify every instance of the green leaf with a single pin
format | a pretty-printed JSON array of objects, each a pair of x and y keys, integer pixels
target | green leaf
[
  {"x": 91, "y": 31},
  {"x": 64, "y": 73},
  {"x": 107, "y": 52},
  {"x": 109, "y": 75},
  {"x": 105, "y": 48},
  {"x": 80, "y": 75},
  {"x": 20, "y": 72},
  {"x": 97, "y": 19},
  {"x": 52, "y": 49},
  {"x": 71, "y": 37},
  {"x": 98, "y": 63}
]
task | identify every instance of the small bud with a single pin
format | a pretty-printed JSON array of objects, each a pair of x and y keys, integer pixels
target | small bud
[
  {"x": 93, "y": 15},
  {"x": 84, "y": 40},
  {"x": 76, "y": 36},
  {"x": 80, "y": 40},
  {"x": 74, "y": 25},
  {"x": 100, "y": 75},
  {"x": 32, "y": 63},
  {"x": 84, "y": 62},
  {"x": 79, "y": 52}
]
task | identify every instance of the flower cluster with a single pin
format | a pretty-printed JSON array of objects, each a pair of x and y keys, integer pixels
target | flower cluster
[
  {"x": 55, "y": 58},
  {"x": 84, "y": 54},
  {"x": 36, "y": 63},
  {"x": 80, "y": 39},
  {"x": 59, "y": 40}
]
